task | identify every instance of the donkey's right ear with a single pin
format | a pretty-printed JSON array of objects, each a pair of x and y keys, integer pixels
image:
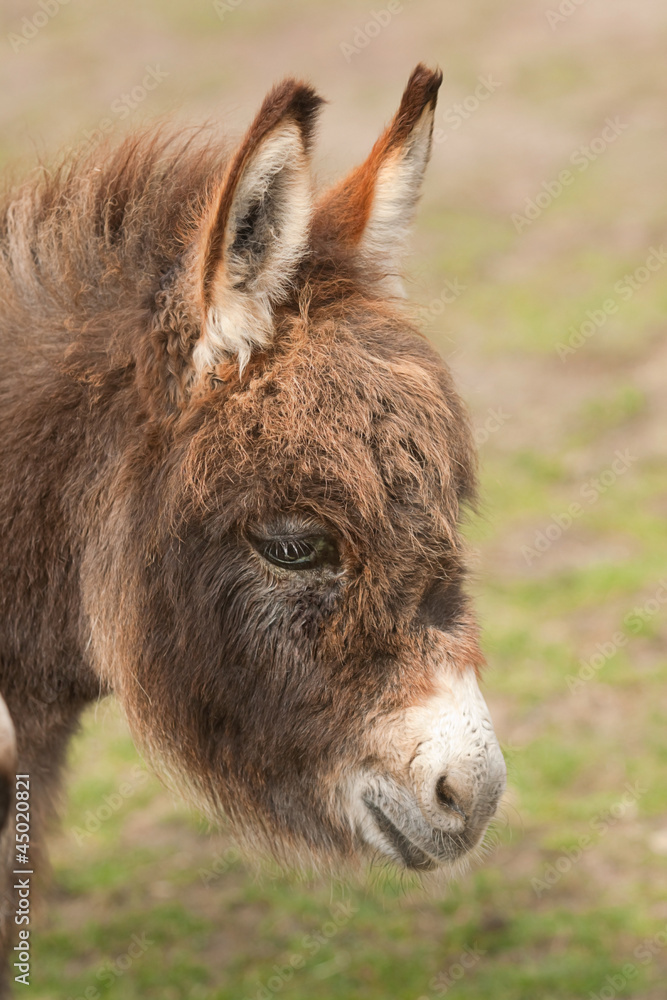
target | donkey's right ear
[{"x": 256, "y": 230}]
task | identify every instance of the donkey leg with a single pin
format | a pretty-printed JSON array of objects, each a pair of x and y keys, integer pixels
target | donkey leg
[
  {"x": 33, "y": 796},
  {"x": 7, "y": 761}
]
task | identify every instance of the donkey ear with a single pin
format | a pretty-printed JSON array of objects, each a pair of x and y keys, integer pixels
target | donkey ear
[
  {"x": 257, "y": 227},
  {"x": 372, "y": 209}
]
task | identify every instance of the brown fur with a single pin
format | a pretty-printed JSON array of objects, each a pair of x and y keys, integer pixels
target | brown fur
[{"x": 127, "y": 489}]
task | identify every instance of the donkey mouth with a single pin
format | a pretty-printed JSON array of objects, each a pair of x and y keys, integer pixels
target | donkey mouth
[
  {"x": 412, "y": 856},
  {"x": 415, "y": 844}
]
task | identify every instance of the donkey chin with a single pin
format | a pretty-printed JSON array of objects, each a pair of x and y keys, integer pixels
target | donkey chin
[{"x": 437, "y": 779}]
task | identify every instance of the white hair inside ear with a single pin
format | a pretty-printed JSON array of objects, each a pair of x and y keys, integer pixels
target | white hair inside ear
[
  {"x": 397, "y": 189},
  {"x": 264, "y": 239}
]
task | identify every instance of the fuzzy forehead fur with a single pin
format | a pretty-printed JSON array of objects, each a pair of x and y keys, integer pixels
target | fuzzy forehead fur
[{"x": 351, "y": 417}]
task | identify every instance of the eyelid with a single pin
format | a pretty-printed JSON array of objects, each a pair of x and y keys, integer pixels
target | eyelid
[{"x": 287, "y": 529}]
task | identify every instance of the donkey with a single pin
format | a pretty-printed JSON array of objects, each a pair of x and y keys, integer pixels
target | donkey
[{"x": 232, "y": 477}]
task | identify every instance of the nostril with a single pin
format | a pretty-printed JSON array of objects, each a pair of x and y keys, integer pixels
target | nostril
[{"x": 447, "y": 798}]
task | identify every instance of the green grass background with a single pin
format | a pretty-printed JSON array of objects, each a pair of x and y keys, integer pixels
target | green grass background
[{"x": 539, "y": 921}]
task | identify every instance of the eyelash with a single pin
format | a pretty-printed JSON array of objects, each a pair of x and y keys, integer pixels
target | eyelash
[{"x": 299, "y": 553}]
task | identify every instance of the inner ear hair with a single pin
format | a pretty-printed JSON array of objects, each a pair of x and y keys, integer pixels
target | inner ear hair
[{"x": 256, "y": 230}]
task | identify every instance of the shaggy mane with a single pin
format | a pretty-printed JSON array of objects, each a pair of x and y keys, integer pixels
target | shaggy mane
[{"x": 106, "y": 222}]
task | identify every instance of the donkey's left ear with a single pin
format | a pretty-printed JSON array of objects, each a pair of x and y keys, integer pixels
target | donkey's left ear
[
  {"x": 372, "y": 209},
  {"x": 256, "y": 230}
]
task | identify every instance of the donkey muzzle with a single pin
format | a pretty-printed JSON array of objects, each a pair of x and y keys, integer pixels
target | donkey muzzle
[{"x": 428, "y": 798}]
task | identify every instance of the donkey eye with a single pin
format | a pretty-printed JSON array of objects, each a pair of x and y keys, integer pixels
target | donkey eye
[{"x": 299, "y": 553}]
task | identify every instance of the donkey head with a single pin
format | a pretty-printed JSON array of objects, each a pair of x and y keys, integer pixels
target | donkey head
[{"x": 295, "y": 643}]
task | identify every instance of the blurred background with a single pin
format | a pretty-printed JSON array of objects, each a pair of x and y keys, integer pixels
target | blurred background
[{"x": 540, "y": 273}]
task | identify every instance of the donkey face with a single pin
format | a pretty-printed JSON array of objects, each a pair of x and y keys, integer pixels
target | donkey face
[{"x": 297, "y": 647}]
